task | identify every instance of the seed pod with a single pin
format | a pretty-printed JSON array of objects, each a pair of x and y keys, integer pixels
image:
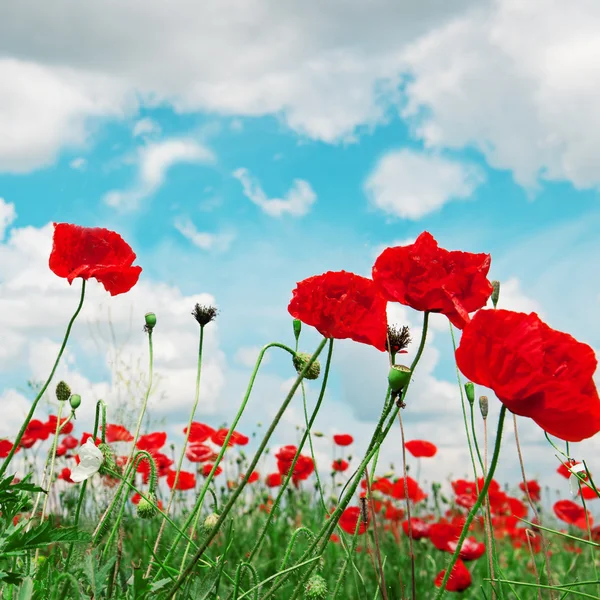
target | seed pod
[
  {"x": 63, "y": 391},
  {"x": 483, "y": 406}
]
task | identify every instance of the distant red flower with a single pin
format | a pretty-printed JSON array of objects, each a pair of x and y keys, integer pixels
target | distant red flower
[
  {"x": 52, "y": 422},
  {"x": 516, "y": 507},
  {"x": 419, "y": 448},
  {"x": 286, "y": 453},
  {"x": 34, "y": 432},
  {"x": 65, "y": 475},
  {"x": 163, "y": 465},
  {"x": 152, "y": 442},
  {"x": 5, "y": 448},
  {"x": 218, "y": 438},
  {"x": 340, "y": 465},
  {"x": 207, "y": 468},
  {"x": 343, "y": 439},
  {"x": 117, "y": 433},
  {"x": 199, "y": 453},
  {"x": 572, "y": 513},
  {"x": 70, "y": 442},
  {"x": 534, "y": 370},
  {"x": 254, "y": 476},
  {"x": 415, "y": 493},
  {"x": 349, "y": 519},
  {"x": 588, "y": 493},
  {"x": 534, "y": 489},
  {"x": 273, "y": 480},
  {"x": 420, "y": 529},
  {"x": 186, "y": 480},
  {"x": 471, "y": 549},
  {"x": 86, "y": 436},
  {"x": 523, "y": 537},
  {"x": 441, "y": 534},
  {"x": 459, "y": 580},
  {"x": 61, "y": 450},
  {"x": 429, "y": 278},
  {"x": 342, "y": 305},
  {"x": 199, "y": 432},
  {"x": 93, "y": 252},
  {"x": 562, "y": 470},
  {"x": 383, "y": 485}
]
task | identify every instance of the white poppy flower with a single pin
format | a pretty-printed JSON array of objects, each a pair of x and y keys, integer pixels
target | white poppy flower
[
  {"x": 90, "y": 461},
  {"x": 574, "y": 479}
]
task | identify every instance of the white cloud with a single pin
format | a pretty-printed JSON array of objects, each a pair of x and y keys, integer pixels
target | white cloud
[
  {"x": 513, "y": 298},
  {"x": 410, "y": 184},
  {"x": 78, "y": 164},
  {"x": 247, "y": 356},
  {"x": 7, "y": 216},
  {"x": 206, "y": 241},
  {"x": 154, "y": 160},
  {"x": 519, "y": 82},
  {"x": 145, "y": 127},
  {"x": 296, "y": 202}
]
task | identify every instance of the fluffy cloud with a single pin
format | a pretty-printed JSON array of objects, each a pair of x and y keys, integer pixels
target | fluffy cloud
[
  {"x": 7, "y": 216},
  {"x": 206, "y": 241},
  {"x": 297, "y": 201},
  {"x": 154, "y": 160},
  {"x": 410, "y": 184}
]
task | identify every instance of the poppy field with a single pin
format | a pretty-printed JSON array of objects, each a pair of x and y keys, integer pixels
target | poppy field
[{"x": 120, "y": 511}]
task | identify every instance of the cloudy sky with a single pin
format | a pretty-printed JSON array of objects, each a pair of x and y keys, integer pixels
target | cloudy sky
[{"x": 240, "y": 146}]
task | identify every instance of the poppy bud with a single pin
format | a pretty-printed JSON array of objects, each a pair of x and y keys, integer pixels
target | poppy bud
[
  {"x": 470, "y": 392},
  {"x": 316, "y": 588},
  {"x": 144, "y": 509},
  {"x": 297, "y": 328},
  {"x": 398, "y": 377},
  {"x": 63, "y": 391},
  {"x": 109, "y": 463},
  {"x": 150, "y": 319},
  {"x": 483, "y": 406},
  {"x": 210, "y": 522},
  {"x": 75, "y": 401},
  {"x": 317, "y": 434},
  {"x": 300, "y": 359},
  {"x": 495, "y": 292}
]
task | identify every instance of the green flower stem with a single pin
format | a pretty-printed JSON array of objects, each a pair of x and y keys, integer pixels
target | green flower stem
[
  {"x": 195, "y": 512},
  {"x": 186, "y": 573},
  {"x": 293, "y": 465},
  {"x": 44, "y": 387},
  {"x": 238, "y": 576},
  {"x": 378, "y": 437},
  {"x": 182, "y": 455},
  {"x": 477, "y": 504}
]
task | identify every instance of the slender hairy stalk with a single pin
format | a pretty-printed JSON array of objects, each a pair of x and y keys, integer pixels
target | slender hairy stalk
[
  {"x": 376, "y": 536},
  {"x": 544, "y": 541},
  {"x": 182, "y": 455},
  {"x": 477, "y": 504},
  {"x": 44, "y": 387},
  {"x": 186, "y": 573}
]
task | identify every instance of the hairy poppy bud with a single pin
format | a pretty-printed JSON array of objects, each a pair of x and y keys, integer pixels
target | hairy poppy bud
[
  {"x": 300, "y": 359},
  {"x": 398, "y": 377},
  {"x": 144, "y": 509},
  {"x": 297, "y": 328},
  {"x": 63, "y": 391},
  {"x": 75, "y": 401},
  {"x": 109, "y": 463},
  {"x": 470, "y": 392},
  {"x": 495, "y": 292},
  {"x": 150, "y": 319},
  {"x": 316, "y": 588},
  {"x": 210, "y": 522},
  {"x": 483, "y": 406}
]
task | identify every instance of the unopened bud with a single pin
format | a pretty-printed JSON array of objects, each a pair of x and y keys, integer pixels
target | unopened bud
[
  {"x": 470, "y": 392},
  {"x": 398, "y": 377},
  {"x": 145, "y": 510},
  {"x": 483, "y": 406},
  {"x": 109, "y": 463},
  {"x": 63, "y": 391},
  {"x": 210, "y": 522},
  {"x": 495, "y": 292},
  {"x": 75, "y": 401},
  {"x": 300, "y": 359},
  {"x": 316, "y": 588},
  {"x": 297, "y": 328}
]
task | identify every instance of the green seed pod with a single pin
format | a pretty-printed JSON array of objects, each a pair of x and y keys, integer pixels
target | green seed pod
[
  {"x": 150, "y": 321},
  {"x": 300, "y": 359},
  {"x": 398, "y": 377},
  {"x": 145, "y": 510},
  {"x": 495, "y": 292},
  {"x": 483, "y": 406},
  {"x": 470, "y": 392},
  {"x": 316, "y": 588},
  {"x": 63, "y": 391},
  {"x": 75, "y": 401}
]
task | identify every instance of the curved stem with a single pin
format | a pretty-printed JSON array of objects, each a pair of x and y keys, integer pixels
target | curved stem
[
  {"x": 473, "y": 512},
  {"x": 44, "y": 387}
]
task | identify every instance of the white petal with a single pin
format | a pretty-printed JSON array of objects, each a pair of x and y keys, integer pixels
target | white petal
[{"x": 90, "y": 460}]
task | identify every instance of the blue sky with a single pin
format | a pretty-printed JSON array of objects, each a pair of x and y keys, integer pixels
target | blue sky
[{"x": 307, "y": 148}]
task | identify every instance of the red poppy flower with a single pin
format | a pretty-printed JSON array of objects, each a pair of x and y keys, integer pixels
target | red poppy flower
[
  {"x": 572, "y": 513},
  {"x": 516, "y": 507},
  {"x": 199, "y": 432},
  {"x": 34, "y": 432},
  {"x": 441, "y": 534},
  {"x": 93, "y": 252},
  {"x": 70, "y": 442},
  {"x": 562, "y": 470},
  {"x": 218, "y": 438},
  {"x": 522, "y": 538},
  {"x": 343, "y": 439},
  {"x": 86, "y": 436},
  {"x": 419, "y": 448},
  {"x": 152, "y": 442},
  {"x": 207, "y": 468},
  {"x": 117, "y": 433},
  {"x": 588, "y": 493},
  {"x": 186, "y": 480},
  {"x": 383, "y": 485},
  {"x": 342, "y": 305},
  {"x": 286, "y": 453},
  {"x": 349, "y": 519},
  {"x": 199, "y": 453},
  {"x": 65, "y": 475},
  {"x": 392, "y": 513},
  {"x": 5, "y": 448},
  {"x": 415, "y": 493},
  {"x": 459, "y": 580},
  {"x": 471, "y": 549},
  {"x": 163, "y": 464},
  {"x": 420, "y": 529},
  {"x": 534, "y": 489},
  {"x": 254, "y": 476},
  {"x": 61, "y": 450},
  {"x": 273, "y": 479},
  {"x": 52, "y": 422},
  {"x": 534, "y": 370},
  {"x": 429, "y": 278},
  {"x": 340, "y": 465}
]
